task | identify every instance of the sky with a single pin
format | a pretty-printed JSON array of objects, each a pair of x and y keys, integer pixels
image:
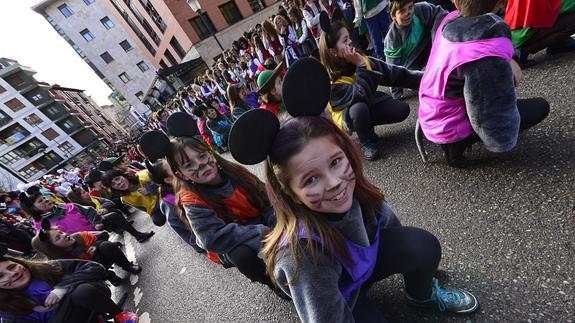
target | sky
[{"x": 27, "y": 37}]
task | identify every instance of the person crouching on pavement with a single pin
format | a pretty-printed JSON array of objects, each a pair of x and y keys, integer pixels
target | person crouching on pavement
[
  {"x": 58, "y": 291},
  {"x": 335, "y": 235},
  {"x": 86, "y": 245},
  {"x": 460, "y": 103},
  {"x": 136, "y": 190},
  {"x": 104, "y": 206},
  {"x": 355, "y": 104}
]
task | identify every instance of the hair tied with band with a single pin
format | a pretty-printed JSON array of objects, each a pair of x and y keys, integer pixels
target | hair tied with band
[
  {"x": 45, "y": 227},
  {"x": 306, "y": 91}
]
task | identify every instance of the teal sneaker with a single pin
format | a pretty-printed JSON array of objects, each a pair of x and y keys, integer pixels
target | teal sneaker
[{"x": 449, "y": 299}]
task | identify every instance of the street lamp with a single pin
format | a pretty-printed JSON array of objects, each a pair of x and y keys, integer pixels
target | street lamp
[{"x": 197, "y": 8}]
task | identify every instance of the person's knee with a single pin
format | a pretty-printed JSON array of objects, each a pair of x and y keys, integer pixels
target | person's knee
[
  {"x": 359, "y": 110},
  {"x": 84, "y": 294},
  {"x": 423, "y": 245},
  {"x": 241, "y": 254}
]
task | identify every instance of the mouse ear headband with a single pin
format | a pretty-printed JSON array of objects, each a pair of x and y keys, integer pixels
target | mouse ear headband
[
  {"x": 154, "y": 144},
  {"x": 325, "y": 22},
  {"x": 45, "y": 226},
  {"x": 305, "y": 90}
]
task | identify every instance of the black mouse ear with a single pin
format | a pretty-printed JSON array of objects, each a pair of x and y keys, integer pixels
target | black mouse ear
[
  {"x": 252, "y": 135},
  {"x": 23, "y": 197},
  {"x": 181, "y": 124},
  {"x": 45, "y": 223},
  {"x": 32, "y": 190},
  {"x": 337, "y": 15},
  {"x": 306, "y": 88},
  {"x": 324, "y": 22},
  {"x": 154, "y": 145}
]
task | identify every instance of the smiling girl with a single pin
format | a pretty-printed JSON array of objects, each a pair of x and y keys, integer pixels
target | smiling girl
[
  {"x": 335, "y": 235},
  {"x": 54, "y": 291},
  {"x": 225, "y": 204},
  {"x": 85, "y": 245}
]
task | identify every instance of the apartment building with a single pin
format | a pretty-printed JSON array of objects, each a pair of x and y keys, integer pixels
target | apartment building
[
  {"x": 89, "y": 113},
  {"x": 39, "y": 132},
  {"x": 102, "y": 38}
]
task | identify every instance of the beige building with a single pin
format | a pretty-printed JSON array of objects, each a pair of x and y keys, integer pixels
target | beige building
[{"x": 39, "y": 132}]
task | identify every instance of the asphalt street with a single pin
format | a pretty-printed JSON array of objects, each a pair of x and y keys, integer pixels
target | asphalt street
[{"x": 506, "y": 226}]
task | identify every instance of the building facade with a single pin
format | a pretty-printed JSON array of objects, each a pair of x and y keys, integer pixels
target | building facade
[
  {"x": 38, "y": 130},
  {"x": 90, "y": 113},
  {"x": 102, "y": 38},
  {"x": 126, "y": 42}
]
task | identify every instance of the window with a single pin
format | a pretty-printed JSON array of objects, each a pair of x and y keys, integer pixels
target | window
[
  {"x": 88, "y": 36},
  {"x": 37, "y": 97},
  {"x": 126, "y": 46},
  {"x": 132, "y": 5},
  {"x": 143, "y": 66},
  {"x": 14, "y": 105},
  {"x": 163, "y": 64},
  {"x": 231, "y": 12},
  {"x": 50, "y": 133},
  {"x": 29, "y": 171},
  {"x": 2, "y": 90},
  {"x": 33, "y": 120},
  {"x": 107, "y": 57},
  {"x": 133, "y": 26},
  {"x": 108, "y": 24},
  {"x": 66, "y": 147},
  {"x": 140, "y": 95},
  {"x": 10, "y": 157},
  {"x": 88, "y": 2},
  {"x": 170, "y": 57},
  {"x": 200, "y": 28},
  {"x": 65, "y": 10},
  {"x": 177, "y": 47},
  {"x": 124, "y": 77},
  {"x": 147, "y": 4},
  {"x": 256, "y": 5}
]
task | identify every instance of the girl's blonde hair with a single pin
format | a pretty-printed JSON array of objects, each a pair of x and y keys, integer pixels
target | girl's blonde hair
[{"x": 291, "y": 214}]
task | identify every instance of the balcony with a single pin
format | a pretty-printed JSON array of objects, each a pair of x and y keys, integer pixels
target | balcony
[
  {"x": 55, "y": 111},
  {"x": 38, "y": 96},
  {"x": 84, "y": 137},
  {"x": 13, "y": 134},
  {"x": 20, "y": 79}
]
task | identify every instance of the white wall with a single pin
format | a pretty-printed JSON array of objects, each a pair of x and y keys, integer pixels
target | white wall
[{"x": 85, "y": 16}]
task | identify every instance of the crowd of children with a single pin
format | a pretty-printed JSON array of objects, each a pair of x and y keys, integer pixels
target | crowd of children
[{"x": 316, "y": 232}]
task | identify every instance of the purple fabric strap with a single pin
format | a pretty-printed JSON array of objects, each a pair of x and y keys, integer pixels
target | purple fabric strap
[{"x": 444, "y": 120}]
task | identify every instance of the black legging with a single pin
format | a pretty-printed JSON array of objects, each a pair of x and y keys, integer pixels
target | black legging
[
  {"x": 115, "y": 221},
  {"x": 109, "y": 253},
  {"x": 249, "y": 264},
  {"x": 531, "y": 112},
  {"x": 364, "y": 117},
  {"x": 412, "y": 252},
  {"x": 86, "y": 300}
]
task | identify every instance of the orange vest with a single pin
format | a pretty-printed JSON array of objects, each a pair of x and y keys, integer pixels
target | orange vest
[
  {"x": 89, "y": 239},
  {"x": 238, "y": 205}
]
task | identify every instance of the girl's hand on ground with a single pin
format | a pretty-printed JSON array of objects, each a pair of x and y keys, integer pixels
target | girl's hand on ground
[
  {"x": 52, "y": 300},
  {"x": 91, "y": 250},
  {"x": 517, "y": 74}
]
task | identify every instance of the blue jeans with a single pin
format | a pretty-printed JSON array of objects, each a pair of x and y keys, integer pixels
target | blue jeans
[{"x": 377, "y": 27}]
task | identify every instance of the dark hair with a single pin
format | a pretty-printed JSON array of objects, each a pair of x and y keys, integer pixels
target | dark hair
[
  {"x": 111, "y": 174},
  {"x": 234, "y": 99},
  {"x": 16, "y": 302},
  {"x": 219, "y": 115},
  {"x": 75, "y": 196},
  {"x": 333, "y": 64},
  {"x": 470, "y": 8},
  {"x": 158, "y": 174},
  {"x": 27, "y": 200},
  {"x": 395, "y": 5},
  {"x": 238, "y": 175},
  {"x": 296, "y": 12},
  {"x": 290, "y": 212}
]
